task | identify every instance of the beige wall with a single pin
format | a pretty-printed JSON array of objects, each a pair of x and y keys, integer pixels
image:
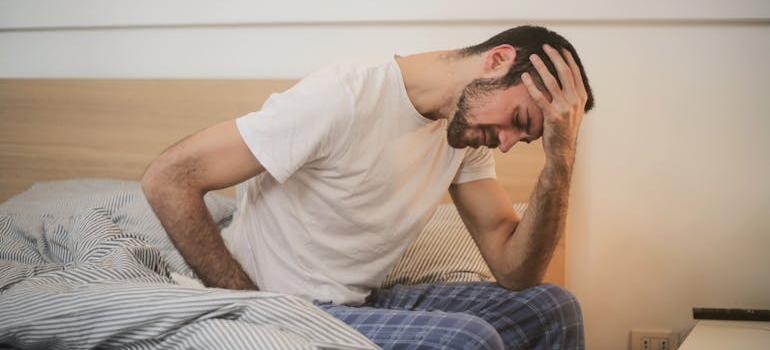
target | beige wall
[{"x": 671, "y": 201}]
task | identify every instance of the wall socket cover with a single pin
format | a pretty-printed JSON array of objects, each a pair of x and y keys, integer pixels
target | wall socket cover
[{"x": 654, "y": 339}]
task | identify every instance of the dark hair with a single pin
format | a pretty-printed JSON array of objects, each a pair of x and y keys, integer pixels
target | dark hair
[{"x": 529, "y": 40}]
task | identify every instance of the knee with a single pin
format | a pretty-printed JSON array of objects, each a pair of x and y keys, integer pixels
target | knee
[
  {"x": 461, "y": 331},
  {"x": 558, "y": 300},
  {"x": 481, "y": 335},
  {"x": 555, "y": 319}
]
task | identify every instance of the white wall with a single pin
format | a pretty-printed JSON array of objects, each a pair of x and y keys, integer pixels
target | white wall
[
  {"x": 670, "y": 203},
  {"x": 289, "y": 38}
]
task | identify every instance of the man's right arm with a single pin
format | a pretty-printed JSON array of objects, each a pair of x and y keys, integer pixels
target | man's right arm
[{"x": 175, "y": 184}]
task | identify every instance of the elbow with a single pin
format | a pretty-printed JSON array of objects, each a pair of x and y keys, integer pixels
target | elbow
[
  {"x": 518, "y": 286},
  {"x": 164, "y": 179},
  {"x": 518, "y": 281},
  {"x": 155, "y": 181},
  {"x": 150, "y": 181}
]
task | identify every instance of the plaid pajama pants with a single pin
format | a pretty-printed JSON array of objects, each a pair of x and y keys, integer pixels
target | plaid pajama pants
[{"x": 474, "y": 315}]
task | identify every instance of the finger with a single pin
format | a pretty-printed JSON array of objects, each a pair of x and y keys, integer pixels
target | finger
[
  {"x": 545, "y": 75},
  {"x": 566, "y": 76},
  {"x": 540, "y": 100},
  {"x": 578, "y": 77}
]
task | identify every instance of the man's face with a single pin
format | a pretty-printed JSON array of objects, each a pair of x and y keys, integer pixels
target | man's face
[{"x": 494, "y": 117}]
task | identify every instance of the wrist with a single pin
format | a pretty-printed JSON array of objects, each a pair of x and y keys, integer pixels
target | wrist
[
  {"x": 560, "y": 148},
  {"x": 561, "y": 158},
  {"x": 234, "y": 277},
  {"x": 558, "y": 169}
]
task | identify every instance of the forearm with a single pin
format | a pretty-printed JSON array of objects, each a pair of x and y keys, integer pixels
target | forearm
[
  {"x": 194, "y": 233},
  {"x": 532, "y": 243}
]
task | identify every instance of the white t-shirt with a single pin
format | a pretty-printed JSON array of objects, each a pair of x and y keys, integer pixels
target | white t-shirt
[{"x": 353, "y": 174}]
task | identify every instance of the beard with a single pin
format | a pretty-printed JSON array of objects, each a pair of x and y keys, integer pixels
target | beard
[{"x": 458, "y": 125}]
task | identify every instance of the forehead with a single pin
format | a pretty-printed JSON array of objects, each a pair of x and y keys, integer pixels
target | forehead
[{"x": 517, "y": 96}]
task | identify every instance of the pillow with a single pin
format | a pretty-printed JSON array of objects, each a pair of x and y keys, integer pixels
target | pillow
[{"x": 443, "y": 252}]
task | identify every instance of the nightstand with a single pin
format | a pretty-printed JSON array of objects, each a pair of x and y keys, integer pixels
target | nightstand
[{"x": 739, "y": 335}]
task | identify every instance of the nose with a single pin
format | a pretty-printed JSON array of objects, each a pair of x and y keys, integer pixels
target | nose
[{"x": 508, "y": 138}]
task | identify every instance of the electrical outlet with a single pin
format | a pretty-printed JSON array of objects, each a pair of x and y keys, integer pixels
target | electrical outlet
[{"x": 654, "y": 339}]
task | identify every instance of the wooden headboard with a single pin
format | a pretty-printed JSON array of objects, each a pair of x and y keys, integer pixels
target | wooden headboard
[{"x": 54, "y": 129}]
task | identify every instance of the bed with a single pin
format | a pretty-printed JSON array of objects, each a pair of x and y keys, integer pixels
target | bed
[{"x": 85, "y": 264}]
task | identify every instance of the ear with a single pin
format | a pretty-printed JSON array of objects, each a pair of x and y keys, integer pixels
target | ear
[{"x": 498, "y": 60}]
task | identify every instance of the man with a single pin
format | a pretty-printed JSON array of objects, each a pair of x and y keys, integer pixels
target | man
[{"x": 346, "y": 167}]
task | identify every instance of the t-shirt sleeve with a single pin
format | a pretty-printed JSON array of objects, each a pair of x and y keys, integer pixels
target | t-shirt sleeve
[
  {"x": 296, "y": 127},
  {"x": 477, "y": 164}
]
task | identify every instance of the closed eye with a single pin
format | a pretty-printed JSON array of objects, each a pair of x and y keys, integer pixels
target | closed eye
[
  {"x": 528, "y": 127},
  {"x": 516, "y": 119}
]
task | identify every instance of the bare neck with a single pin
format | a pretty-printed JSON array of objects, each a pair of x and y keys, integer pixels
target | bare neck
[{"x": 434, "y": 80}]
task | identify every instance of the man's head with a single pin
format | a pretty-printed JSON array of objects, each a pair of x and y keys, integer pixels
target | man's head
[{"x": 500, "y": 103}]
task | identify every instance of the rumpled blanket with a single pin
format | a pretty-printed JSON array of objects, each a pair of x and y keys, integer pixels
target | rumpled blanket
[{"x": 85, "y": 264}]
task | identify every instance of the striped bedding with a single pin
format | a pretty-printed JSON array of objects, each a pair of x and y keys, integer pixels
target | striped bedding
[
  {"x": 85, "y": 264},
  {"x": 443, "y": 252}
]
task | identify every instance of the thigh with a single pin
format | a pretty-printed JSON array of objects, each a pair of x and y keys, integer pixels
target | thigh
[
  {"x": 546, "y": 316},
  {"x": 407, "y": 329}
]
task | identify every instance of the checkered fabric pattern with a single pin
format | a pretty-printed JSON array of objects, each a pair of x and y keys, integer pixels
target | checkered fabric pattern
[{"x": 468, "y": 315}]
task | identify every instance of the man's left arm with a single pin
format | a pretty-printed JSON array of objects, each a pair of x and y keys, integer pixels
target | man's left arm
[{"x": 518, "y": 251}]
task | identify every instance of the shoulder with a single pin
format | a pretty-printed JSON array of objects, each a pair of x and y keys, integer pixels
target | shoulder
[
  {"x": 338, "y": 82},
  {"x": 360, "y": 74}
]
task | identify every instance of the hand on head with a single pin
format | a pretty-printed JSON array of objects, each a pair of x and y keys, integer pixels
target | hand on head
[{"x": 564, "y": 111}]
